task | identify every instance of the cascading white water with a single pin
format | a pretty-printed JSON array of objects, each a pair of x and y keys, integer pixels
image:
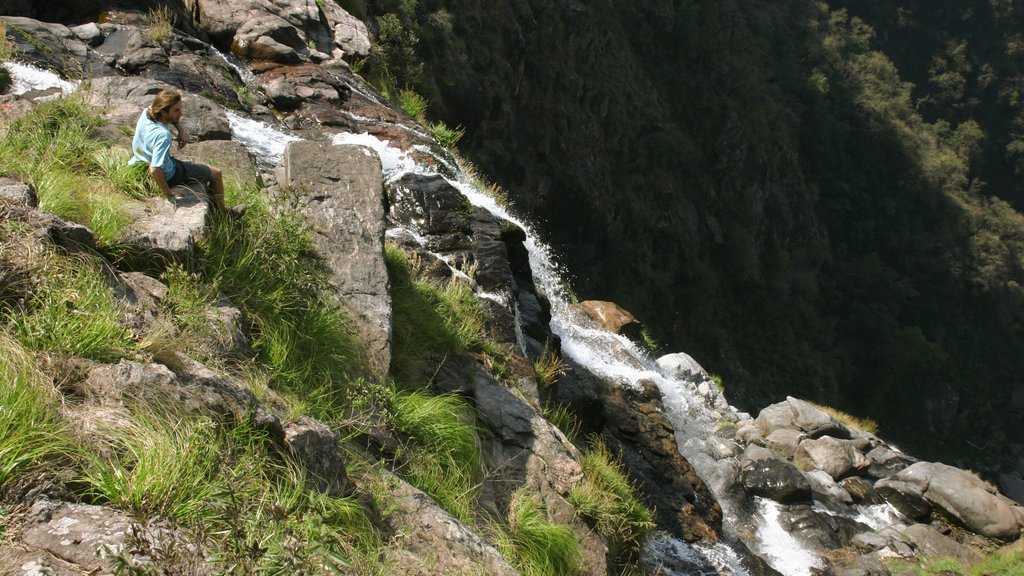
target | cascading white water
[
  {"x": 605, "y": 354},
  {"x": 26, "y": 77}
]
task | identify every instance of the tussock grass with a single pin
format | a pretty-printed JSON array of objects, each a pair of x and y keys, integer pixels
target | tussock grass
[
  {"x": 75, "y": 176},
  {"x": 548, "y": 369},
  {"x": 159, "y": 24},
  {"x": 444, "y": 455},
  {"x": 606, "y": 498},
  {"x": 267, "y": 266},
  {"x": 30, "y": 433},
  {"x": 413, "y": 104},
  {"x": 447, "y": 137},
  {"x": 564, "y": 419},
  {"x": 536, "y": 546},
  {"x": 159, "y": 465},
  {"x": 266, "y": 520},
  {"x": 863, "y": 424},
  {"x": 71, "y": 309}
]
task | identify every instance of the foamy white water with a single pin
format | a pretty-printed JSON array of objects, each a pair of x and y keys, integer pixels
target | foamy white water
[
  {"x": 393, "y": 160},
  {"x": 27, "y": 77},
  {"x": 266, "y": 143},
  {"x": 778, "y": 547}
]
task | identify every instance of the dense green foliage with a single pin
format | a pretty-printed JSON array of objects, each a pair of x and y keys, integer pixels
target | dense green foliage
[{"x": 763, "y": 186}]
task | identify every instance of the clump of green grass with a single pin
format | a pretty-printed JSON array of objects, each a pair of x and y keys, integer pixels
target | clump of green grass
[
  {"x": 536, "y": 546},
  {"x": 564, "y": 419},
  {"x": 30, "y": 433},
  {"x": 71, "y": 309},
  {"x": 6, "y": 51},
  {"x": 444, "y": 454},
  {"x": 1009, "y": 561},
  {"x": 650, "y": 343},
  {"x": 159, "y": 24},
  {"x": 158, "y": 465},
  {"x": 447, "y": 137},
  {"x": 548, "y": 369},
  {"x": 413, "y": 104},
  {"x": 265, "y": 519},
  {"x": 606, "y": 498},
  {"x": 267, "y": 266}
]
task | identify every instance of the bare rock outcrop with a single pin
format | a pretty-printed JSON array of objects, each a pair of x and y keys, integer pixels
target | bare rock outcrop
[{"x": 339, "y": 190}]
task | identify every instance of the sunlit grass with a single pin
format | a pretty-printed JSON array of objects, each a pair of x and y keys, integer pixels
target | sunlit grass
[{"x": 536, "y": 546}]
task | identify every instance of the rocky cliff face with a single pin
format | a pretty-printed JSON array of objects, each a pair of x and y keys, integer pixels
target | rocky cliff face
[
  {"x": 757, "y": 176},
  {"x": 703, "y": 466}
]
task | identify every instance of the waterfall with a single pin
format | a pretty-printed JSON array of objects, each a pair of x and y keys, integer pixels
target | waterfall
[{"x": 610, "y": 356}]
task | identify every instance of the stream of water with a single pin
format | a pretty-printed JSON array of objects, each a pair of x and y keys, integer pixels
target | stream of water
[{"x": 603, "y": 353}]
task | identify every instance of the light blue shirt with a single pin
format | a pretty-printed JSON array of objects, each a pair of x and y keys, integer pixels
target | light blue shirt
[{"x": 152, "y": 145}]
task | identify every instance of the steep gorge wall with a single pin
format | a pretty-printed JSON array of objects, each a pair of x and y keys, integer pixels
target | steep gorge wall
[{"x": 756, "y": 185}]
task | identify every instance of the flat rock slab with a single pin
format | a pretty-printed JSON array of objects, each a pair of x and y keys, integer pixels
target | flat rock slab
[
  {"x": 340, "y": 191},
  {"x": 165, "y": 232},
  {"x": 80, "y": 534}
]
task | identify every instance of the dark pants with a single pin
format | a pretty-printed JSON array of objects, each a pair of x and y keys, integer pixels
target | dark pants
[{"x": 185, "y": 172}]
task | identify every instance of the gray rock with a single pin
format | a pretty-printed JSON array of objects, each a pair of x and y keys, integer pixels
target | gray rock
[
  {"x": 80, "y": 534},
  {"x": 964, "y": 496},
  {"x": 130, "y": 50},
  {"x": 167, "y": 231},
  {"x": 49, "y": 228},
  {"x": 820, "y": 530},
  {"x": 908, "y": 499},
  {"x": 885, "y": 462},
  {"x": 18, "y": 192},
  {"x": 233, "y": 158},
  {"x": 682, "y": 366},
  {"x": 185, "y": 382},
  {"x": 288, "y": 87},
  {"x": 268, "y": 37},
  {"x": 350, "y": 34},
  {"x": 763, "y": 473},
  {"x": 861, "y": 491},
  {"x": 431, "y": 206},
  {"x": 785, "y": 441},
  {"x": 932, "y": 543},
  {"x": 138, "y": 295},
  {"x": 316, "y": 446},
  {"x": 89, "y": 33},
  {"x": 433, "y": 541},
  {"x": 836, "y": 457},
  {"x": 53, "y": 46},
  {"x": 343, "y": 184},
  {"x": 826, "y": 489}
]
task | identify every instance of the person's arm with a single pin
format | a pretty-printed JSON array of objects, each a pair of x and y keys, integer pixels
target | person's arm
[
  {"x": 161, "y": 182},
  {"x": 182, "y": 135}
]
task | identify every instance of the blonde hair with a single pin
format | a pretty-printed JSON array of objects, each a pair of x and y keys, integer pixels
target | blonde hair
[{"x": 162, "y": 102}]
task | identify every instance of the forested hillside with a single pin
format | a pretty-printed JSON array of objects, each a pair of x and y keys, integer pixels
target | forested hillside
[{"x": 812, "y": 198}]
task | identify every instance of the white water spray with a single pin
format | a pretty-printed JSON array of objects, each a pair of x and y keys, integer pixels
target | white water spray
[{"x": 26, "y": 77}]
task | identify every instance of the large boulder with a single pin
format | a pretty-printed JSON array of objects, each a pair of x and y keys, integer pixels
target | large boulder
[
  {"x": 166, "y": 231},
  {"x": 55, "y": 47},
  {"x": 288, "y": 87},
  {"x": 350, "y": 33},
  {"x": 131, "y": 50},
  {"x": 340, "y": 192},
  {"x": 799, "y": 415},
  {"x": 682, "y": 366},
  {"x": 763, "y": 473},
  {"x": 836, "y": 457},
  {"x": 613, "y": 318},
  {"x": 965, "y": 497}
]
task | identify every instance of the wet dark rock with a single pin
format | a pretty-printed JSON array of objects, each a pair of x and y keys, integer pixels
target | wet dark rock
[
  {"x": 885, "y": 462},
  {"x": 820, "y": 530},
  {"x": 763, "y": 473},
  {"x": 862, "y": 491},
  {"x": 131, "y": 50}
]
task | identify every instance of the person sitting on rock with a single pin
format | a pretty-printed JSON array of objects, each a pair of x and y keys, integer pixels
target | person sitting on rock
[{"x": 152, "y": 145}]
